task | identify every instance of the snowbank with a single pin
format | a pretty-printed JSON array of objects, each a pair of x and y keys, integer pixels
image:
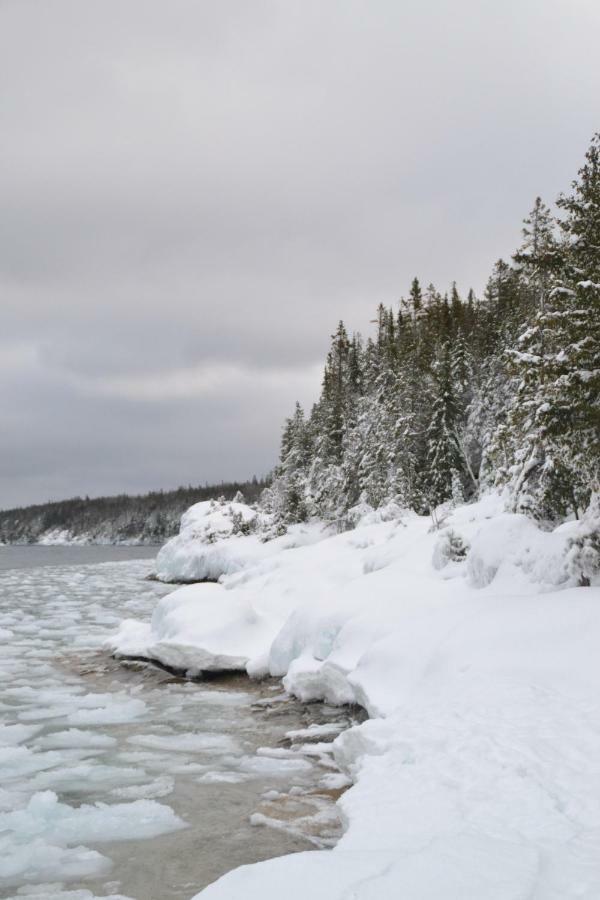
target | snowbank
[
  {"x": 196, "y": 630},
  {"x": 208, "y": 544},
  {"x": 514, "y": 541},
  {"x": 477, "y": 774}
]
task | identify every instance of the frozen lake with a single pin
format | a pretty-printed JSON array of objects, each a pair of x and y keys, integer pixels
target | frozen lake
[{"x": 122, "y": 780}]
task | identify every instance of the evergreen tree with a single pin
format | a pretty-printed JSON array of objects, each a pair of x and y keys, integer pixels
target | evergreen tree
[
  {"x": 574, "y": 420},
  {"x": 451, "y": 395},
  {"x": 288, "y": 492},
  {"x": 416, "y": 298},
  {"x": 532, "y": 470},
  {"x": 444, "y": 459}
]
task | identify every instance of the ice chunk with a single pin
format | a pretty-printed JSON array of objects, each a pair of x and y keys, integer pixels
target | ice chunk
[
  {"x": 217, "y": 777},
  {"x": 45, "y": 817},
  {"x": 38, "y": 860},
  {"x": 160, "y": 787},
  {"x": 16, "y": 734},
  {"x": 201, "y": 742},
  {"x": 76, "y": 738},
  {"x": 265, "y": 766},
  {"x": 55, "y": 892},
  {"x": 113, "y": 713}
]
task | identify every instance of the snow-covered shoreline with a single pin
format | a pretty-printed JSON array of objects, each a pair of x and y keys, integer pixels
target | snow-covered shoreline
[
  {"x": 63, "y": 538},
  {"x": 474, "y": 654}
]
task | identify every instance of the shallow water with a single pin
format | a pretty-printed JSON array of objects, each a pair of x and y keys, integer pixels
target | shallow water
[{"x": 123, "y": 779}]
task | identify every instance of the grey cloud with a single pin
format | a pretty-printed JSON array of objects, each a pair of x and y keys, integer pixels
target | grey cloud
[{"x": 189, "y": 185}]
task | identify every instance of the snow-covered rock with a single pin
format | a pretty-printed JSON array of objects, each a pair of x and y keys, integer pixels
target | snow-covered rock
[
  {"x": 213, "y": 519},
  {"x": 196, "y": 630},
  {"x": 208, "y": 544},
  {"x": 221, "y": 538}
]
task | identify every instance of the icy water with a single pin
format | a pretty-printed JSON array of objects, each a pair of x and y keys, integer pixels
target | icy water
[{"x": 123, "y": 780}]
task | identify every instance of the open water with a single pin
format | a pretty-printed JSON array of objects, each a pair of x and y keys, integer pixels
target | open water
[{"x": 121, "y": 780}]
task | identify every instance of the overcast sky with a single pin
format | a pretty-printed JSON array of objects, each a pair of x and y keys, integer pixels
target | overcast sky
[{"x": 194, "y": 192}]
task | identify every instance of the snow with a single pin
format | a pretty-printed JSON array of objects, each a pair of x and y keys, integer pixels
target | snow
[
  {"x": 213, "y": 519},
  {"x": 208, "y": 546},
  {"x": 215, "y": 624},
  {"x": 477, "y": 774},
  {"x": 514, "y": 541},
  {"x": 205, "y": 549}
]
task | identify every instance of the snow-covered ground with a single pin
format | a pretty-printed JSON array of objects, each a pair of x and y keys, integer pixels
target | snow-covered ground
[{"x": 476, "y": 656}]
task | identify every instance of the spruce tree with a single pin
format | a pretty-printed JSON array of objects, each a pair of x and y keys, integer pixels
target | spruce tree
[
  {"x": 444, "y": 459},
  {"x": 532, "y": 468},
  {"x": 450, "y": 396},
  {"x": 573, "y": 420}
]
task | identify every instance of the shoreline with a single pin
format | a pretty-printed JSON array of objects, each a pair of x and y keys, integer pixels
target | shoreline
[
  {"x": 451, "y": 656},
  {"x": 125, "y": 755}
]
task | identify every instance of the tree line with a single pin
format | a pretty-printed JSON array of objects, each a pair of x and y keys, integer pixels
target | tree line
[
  {"x": 456, "y": 393},
  {"x": 148, "y": 518}
]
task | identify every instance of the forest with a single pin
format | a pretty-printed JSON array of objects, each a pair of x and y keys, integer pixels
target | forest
[
  {"x": 455, "y": 394},
  {"x": 150, "y": 518}
]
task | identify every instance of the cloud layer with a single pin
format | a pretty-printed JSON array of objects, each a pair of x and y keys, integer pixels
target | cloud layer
[{"x": 194, "y": 193}]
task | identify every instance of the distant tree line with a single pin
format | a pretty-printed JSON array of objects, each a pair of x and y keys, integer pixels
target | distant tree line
[
  {"x": 149, "y": 518},
  {"x": 455, "y": 393}
]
